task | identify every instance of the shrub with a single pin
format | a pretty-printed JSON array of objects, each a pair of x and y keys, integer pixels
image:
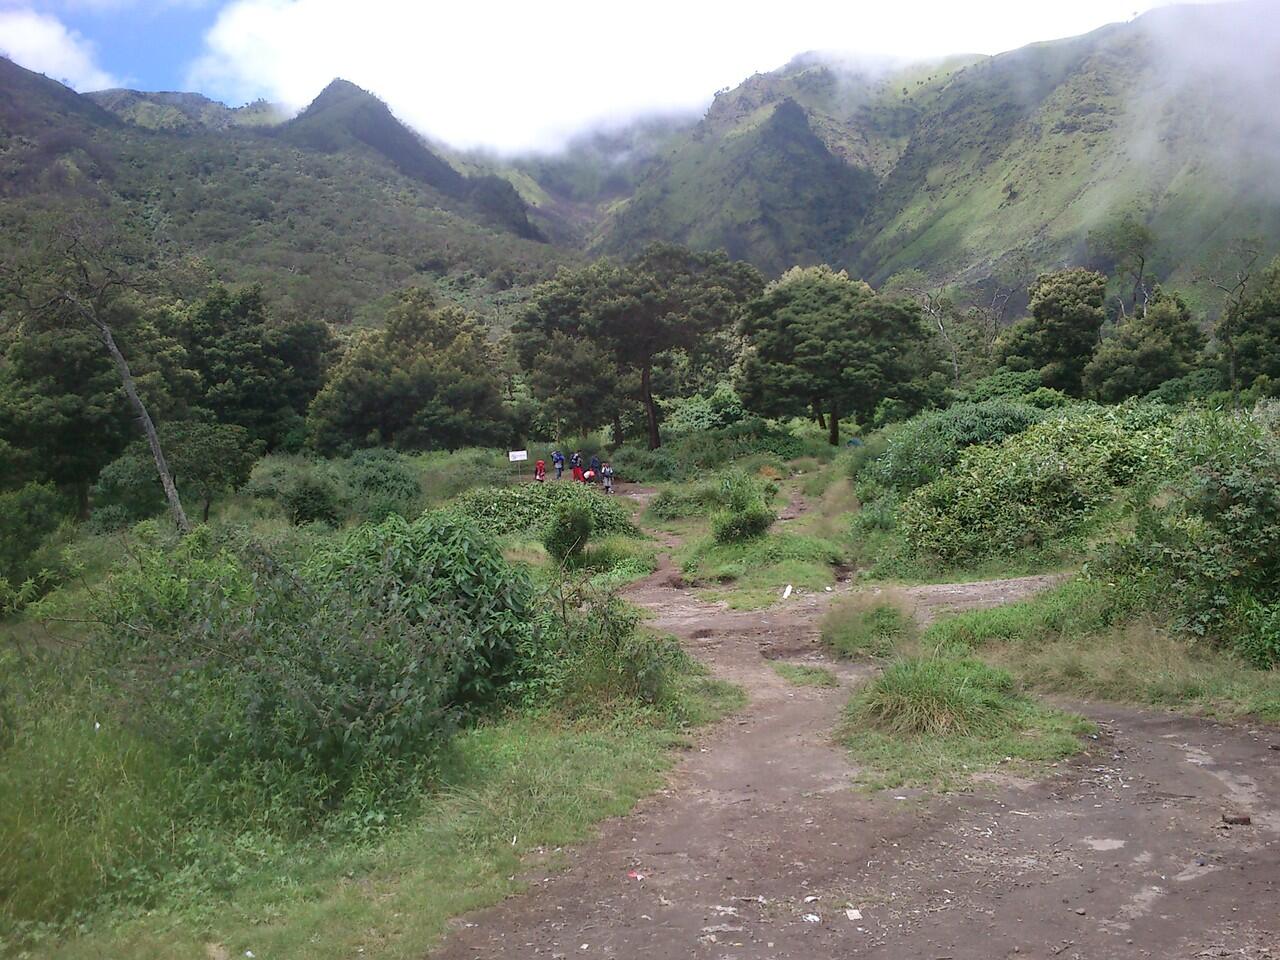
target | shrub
[
  {"x": 312, "y": 498},
  {"x": 29, "y": 516},
  {"x": 938, "y": 697},
  {"x": 1038, "y": 486},
  {"x": 530, "y": 507},
  {"x": 1004, "y": 383},
  {"x": 701, "y": 412},
  {"x": 281, "y": 691},
  {"x": 867, "y": 624},
  {"x": 919, "y": 450},
  {"x": 383, "y": 482},
  {"x": 746, "y": 514},
  {"x": 686, "y": 458},
  {"x": 568, "y": 532}
]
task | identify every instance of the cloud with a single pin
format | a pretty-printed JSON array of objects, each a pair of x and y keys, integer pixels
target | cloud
[
  {"x": 520, "y": 75},
  {"x": 39, "y": 41}
]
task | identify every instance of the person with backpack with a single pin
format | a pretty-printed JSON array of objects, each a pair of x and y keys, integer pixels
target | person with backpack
[
  {"x": 606, "y": 475},
  {"x": 557, "y": 461},
  {"x": 575, "y": 464},
  {"x": 540, "y": 471},
  {"x": 595, "y": 466}
]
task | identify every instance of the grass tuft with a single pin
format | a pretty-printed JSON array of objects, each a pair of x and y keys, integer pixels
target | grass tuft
[{"x": 869, "y": 624}]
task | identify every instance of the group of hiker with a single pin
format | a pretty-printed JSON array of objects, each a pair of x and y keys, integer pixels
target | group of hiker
[{"x": 593, "y": 472}]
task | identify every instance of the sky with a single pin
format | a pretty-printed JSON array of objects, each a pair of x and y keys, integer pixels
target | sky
[{"x": 508, "y": 76}]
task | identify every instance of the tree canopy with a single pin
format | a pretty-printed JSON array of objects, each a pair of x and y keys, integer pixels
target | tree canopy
[
  {"x": 818, "y": 340},
  {"x": 429, "y": 380},
  {"x": 668, "y": 298},
  {"x": 1060, "y": 335},
  {"x": 1162, "y": 343}
]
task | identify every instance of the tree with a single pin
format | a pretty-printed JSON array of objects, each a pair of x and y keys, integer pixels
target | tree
[
  {"x": 819, "y": 340},
  {"x": 78, "y": 279},
  {"x": 1255, "y": 327},
  {"x": 1124, "y": 243},
  {"x": 1233, "y": 279},
  {"x": 1161, "y": 343},
  {"x": 574, "y": 380},
  {"x": 207, "y": 460},
  {"x": 1059, "y": 337},
  {"x": 666, "y": 299},
  {"x": 429, "y": 380},
  {"x": 255, "y": 371}
]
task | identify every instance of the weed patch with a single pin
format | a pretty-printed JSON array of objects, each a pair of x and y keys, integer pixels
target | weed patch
[
  {"x": 867, "y": 624},
  {"x": 802, "y": 675}
]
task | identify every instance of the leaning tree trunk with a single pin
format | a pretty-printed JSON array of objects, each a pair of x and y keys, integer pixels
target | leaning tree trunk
[
  {"x": 818, "y": 417},
  {"x": 148, "y": 427},
  {"x": 833, "y": 425},
  {"x": 650, "y": 408},
  {"x": 617, "y": 429}
]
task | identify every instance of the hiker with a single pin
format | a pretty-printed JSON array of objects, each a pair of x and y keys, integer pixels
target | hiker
[
  {"x": 595, "y": 466},
  {"x": 575, "y": 464},
  {"x": 540, "y": 471},
  {"x": 606, "y": 474},
  {"x": 589, "y": 477},
  {"x": 557, "y": 460}
]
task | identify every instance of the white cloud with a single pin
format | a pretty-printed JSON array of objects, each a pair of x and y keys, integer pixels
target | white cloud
[
  {"x": 518, "y": 74},
  {"x": 39, "y": 41}
]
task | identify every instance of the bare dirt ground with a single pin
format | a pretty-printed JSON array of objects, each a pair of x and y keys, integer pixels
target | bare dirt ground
[{"x": 760, "y": 848}]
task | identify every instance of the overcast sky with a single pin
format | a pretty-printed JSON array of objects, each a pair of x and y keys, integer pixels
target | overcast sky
[{"x": 506, "y": 75}]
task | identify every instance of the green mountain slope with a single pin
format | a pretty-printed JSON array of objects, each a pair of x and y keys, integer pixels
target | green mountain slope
[
  {"x": 979, "y": 166},
  {"x": 765, "y": 187},
  {"x": 184, "y": 111},
  {"x": 328, "y": 227}
]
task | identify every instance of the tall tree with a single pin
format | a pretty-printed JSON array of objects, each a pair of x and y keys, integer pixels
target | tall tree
[
  {"x": 668, "y": 298},
  {"x": 1161, "y": 343},
  {"x": 1256, "y": 323},
  {"x": 1233, "y": 278},
  {"x": 818, "y": 340},
  {"x": 255, "y": 371},
  {"x": 1124, "y": 243},
  {"x": 429, "y": 380},
  {"x": 1059, "y": 337},
  {"x": 76, "y": 276}
]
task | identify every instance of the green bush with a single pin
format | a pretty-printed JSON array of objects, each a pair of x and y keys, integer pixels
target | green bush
[
  {"x": 283, "y": 693},
  {"x": 1038, "y": 486},
  {"x": 29, "y": 517},
  {"x": 568, "y": 532},
  {"x": 1004, "y": 384},
  {"x": 312, "y": 498},
  {"x": 1214, "y": 536},
  {"x": 687, "y": 458},
  {"x": 383, "y": 482},
  {"x": 308, "y": 491},
  {"x": 919, "y": 450},
  {"x": 701, "y": 412},
  {"x": 530, "y": 507},
  {"x": 746, "y": 514}
]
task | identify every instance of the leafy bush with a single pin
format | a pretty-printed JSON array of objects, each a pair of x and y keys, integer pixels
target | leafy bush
[
  {"x": 1036, "y": 487},
  {"x": 1215, "y": 534},
  {"x": 746, "y": 513},
  {"x": 922, "y": 448},
  {"x": 590, "y": 653},
  {"x": 312, "y": 498},
  {"x": 530, "y": 507},
  {"x": 938, "y": 697},
  {"x": 701, "y": 412},
  {"x": 285, "y": 694},
  {"x": 568, "y": 532},
  {"x": 29, "y": 516},
  {"x": 1004, "y": 383},
  {"x": 382, "y": 483}
]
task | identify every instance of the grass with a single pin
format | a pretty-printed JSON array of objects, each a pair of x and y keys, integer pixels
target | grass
[
  {"x": 869, "y": 624},
  {"x": 936, "y": 721},
  {"x": 759, "y": 570},
  {"x": 802, "y": 675},
  {"x": 508, "y": 791},
  {"x": 1085, "y": 638}
]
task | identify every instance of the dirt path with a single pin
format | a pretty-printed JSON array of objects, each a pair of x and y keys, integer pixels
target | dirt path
[{"x": 758, "y": 848}]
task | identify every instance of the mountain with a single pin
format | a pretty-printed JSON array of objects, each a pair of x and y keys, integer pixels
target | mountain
[
  {"x": 184, "y": 111},
  {"x": 976, "y": 166},
  {"x": 330, "y": 211},
  {"x": 968, "y": 169}
]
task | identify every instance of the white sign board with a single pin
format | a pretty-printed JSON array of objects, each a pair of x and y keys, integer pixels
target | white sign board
[{"x": 515, "y": 456}]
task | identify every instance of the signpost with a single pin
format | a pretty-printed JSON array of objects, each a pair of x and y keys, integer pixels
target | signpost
[{"x": 517, "y": 460}]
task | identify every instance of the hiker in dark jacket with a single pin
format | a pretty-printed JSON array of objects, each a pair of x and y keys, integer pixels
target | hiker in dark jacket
[{"x": 595, "y": 465}]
